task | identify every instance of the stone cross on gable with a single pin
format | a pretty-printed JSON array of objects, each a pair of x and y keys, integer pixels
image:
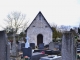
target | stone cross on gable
[{"x": 27, "y": 42}]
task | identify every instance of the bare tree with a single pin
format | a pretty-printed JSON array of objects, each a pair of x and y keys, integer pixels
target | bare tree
[
  {"x": 65, "y": 28},
  {"x": 15, "y": 21}
]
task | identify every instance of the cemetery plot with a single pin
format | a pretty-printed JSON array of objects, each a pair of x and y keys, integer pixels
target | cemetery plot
[{"x": 51, "y": 57}]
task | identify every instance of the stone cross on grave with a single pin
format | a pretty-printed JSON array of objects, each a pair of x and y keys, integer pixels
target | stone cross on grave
[{"x": 27, "y": 42}]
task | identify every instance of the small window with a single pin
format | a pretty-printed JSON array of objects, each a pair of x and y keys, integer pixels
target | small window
[
  {"x": 33, "y": 26},
  {"x": 46, "y": 26},
  {"x": 39, "y": 16}
]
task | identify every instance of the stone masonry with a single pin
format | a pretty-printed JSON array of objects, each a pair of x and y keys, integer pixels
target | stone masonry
[
  {"x": 68, "y": 46},
  {"x": 39, "y": 26},
  {"x": 4, "y": 48}
]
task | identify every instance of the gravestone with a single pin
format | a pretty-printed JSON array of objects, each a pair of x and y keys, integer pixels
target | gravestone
[
  {"x": 41, "y": 46},
  {"x": 22, "y": 46},
  {"x": 27, "y": 52},
  {"x": 32, "y": 45},
  {"x": 14, "y": 51},
  {"x": 54, "y": 46},
  {"x": 8, "y": 52},
  {"x": 60, "y": 46},
  {"x": 4, "y": 47},
  {"x": 68, "y": 46},
  {"x": 19, "y": 46},
  {"x": 51, "y": 45}
]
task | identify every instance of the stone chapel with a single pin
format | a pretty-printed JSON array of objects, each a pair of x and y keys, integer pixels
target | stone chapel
[{"x": 39, "y": 31}]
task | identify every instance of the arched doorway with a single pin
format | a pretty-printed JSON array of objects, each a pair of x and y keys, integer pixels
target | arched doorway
[{"x": 39, "y": 39}]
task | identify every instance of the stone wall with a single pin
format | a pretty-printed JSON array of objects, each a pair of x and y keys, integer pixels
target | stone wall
[{"x": 39, "y": 27}]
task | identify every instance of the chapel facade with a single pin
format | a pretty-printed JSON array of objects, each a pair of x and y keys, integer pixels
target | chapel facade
[{"x": 39, "y": 31}]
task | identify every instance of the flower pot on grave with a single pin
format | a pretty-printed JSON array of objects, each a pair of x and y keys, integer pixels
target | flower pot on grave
[{"x": 26, "y": 58}]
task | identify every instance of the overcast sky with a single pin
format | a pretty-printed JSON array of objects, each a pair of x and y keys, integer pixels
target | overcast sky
[{"x": 60, "y": 12}]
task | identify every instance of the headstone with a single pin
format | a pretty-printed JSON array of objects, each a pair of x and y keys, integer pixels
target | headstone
[
  {"x": 51, "y": 45},
  {"x": 54, "y": 46},
  {"x": 32, "y": 45},
  {"x": 4, "y": 48},
  {"x": 41, "y": 46},
  {"x": 68, "y": 46},
  {"x": 8, "y": 52},
  {"x": 14, "y": 51},
  {"x": 27, "y": 52},
  {"x": 60, "y": 46},
  {"x": 22, "y": 46},
  {"x": 19, "y": 46}
]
